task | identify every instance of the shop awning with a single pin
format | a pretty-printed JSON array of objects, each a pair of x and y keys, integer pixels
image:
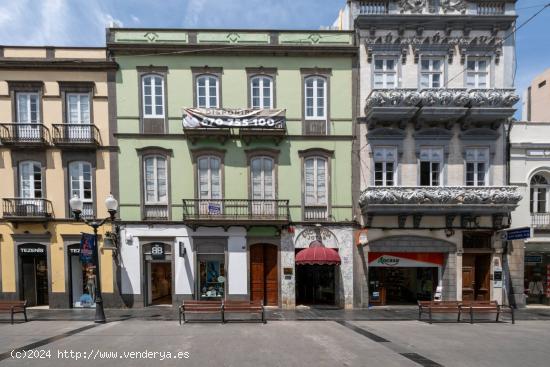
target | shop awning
[{"x": 318, "y": 254}]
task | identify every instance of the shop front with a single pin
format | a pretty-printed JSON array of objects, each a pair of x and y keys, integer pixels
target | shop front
[
  {"x": 157, "y": 261},
  {"x": 403, "y": 278},
  {"x": 537, "y": 278},
  {"x": 33, "y": 274},
  {"x": 82, "y": 280}
]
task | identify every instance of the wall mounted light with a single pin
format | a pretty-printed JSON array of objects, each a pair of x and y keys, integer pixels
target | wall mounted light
[{"x": 183, "y": 250}]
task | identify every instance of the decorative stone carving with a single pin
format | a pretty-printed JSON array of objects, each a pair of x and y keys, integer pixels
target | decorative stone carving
[
  {"x": 504, "y": 195},
  {"x": 414, "y": 6},
  {"x": 493, "y": 98},
  {"x": 444, "y": 97},
  {"x": 454, "y": 5},
  {"x": 393, "y": 97}
]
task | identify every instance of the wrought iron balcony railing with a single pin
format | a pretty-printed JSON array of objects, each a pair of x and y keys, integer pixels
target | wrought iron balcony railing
[
  {"x": 22, "y": 133},
  {"x": 540, "y": 220},
  {"x": 76, "y": 134},
  {"x": 22, "y": 208},
  {"x": 232, "y": 212}
]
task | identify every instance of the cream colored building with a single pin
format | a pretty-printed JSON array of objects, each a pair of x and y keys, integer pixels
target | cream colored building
[
  {"x": 55, "y": 142},
  {"x": 537, "y": 98}
]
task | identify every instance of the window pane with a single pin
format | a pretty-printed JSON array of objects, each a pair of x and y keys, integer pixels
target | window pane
[
  {"x": 425, "y": 65},
  {"x": 424, "y": 173},
  {"x": 379, "y": 64},
  {"x": 390, "y": 64},
  {"x": 389, "y": 174}
]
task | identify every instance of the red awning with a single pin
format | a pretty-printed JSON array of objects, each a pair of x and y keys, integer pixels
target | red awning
[{"x": 318, "y": 254}]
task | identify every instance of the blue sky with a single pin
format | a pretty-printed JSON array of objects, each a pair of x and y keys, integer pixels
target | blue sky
[{"x": 82, "y": 22}]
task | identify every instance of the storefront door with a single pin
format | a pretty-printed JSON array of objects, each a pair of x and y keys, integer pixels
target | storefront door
[
  {"x": 263, "y": 274},
  {"x": 316, "y": 285},
  {"x": 158, "y": 274},
  {"x": 34, "y": 274},
  {"x": 211, "y": 265},
  {"x": 82, "y": 279},
  {"x": 475, "y": 277}
]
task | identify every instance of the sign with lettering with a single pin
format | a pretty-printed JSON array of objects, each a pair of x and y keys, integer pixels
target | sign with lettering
[
  {"x": 405, "y": 259},
  {"x": 87, "y": 248},
  {"x": 74, "y": 251},
  {"x": 322, "y": 234},
  {"x": 157, "y": 251},
  {"x": 518, "y": 234},
  {"x": 201, "y": 118},
  {"x": 214, "y": 209},
  {"x": 533, "y": 259},
  {"x": 32, "y": 250}
]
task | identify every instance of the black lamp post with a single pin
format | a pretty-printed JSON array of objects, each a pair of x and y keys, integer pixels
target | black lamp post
[{"x": 112, "y": 206}]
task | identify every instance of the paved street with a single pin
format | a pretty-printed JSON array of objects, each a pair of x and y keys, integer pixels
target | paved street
[{"x": 279, "y": 343}]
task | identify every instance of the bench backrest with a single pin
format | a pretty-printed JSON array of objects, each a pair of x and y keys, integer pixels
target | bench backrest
[
  {"x": 243, "y": 303},
  {"x": 480, "y": 303},
  {"x": 439, "y": 303},
  {"x": 9, "y": 304},
  {"x": 199, "y": 303}
]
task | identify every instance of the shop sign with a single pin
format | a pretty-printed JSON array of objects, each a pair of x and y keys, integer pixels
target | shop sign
[
  {"x": 75, "y": 251},
  {"x": 388, "y": 260},
  {"x": 405, "y": 259},
  {"x": 197, "y": 118},
  {"x": 32, "y": 250},
  {"x": 157, "y": 251},
  {"x": 533, "y": 259},
  {"x": 87, "y": 248},
  {"x": 518, "y": 234},
  {"x": 322, "y": 234}
]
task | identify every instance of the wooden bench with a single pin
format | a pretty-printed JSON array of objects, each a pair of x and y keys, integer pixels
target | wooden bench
[
  {"x": 14, "y": 307},
  {"x": 200, "y": 307},
  {"x": 476, "y": 307},
  {"x": 256, "y": 307},
  {"x": 431, "y": 307}
]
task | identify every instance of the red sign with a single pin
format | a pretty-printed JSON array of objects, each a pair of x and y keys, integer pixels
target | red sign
[{"x": 405, "y": 259}]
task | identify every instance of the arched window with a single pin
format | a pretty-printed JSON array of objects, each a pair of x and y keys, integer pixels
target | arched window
[
  {"x": 30, "y": 180},
  {"x": 316, "y": 97},
  {"x": 153, "y": 96},
  {"x": 209, "y": 176},
  {"x": 261, "y": 88},
  {"x": 155, "y": 179},
  {"x": 539, "y": 194},
  {"x": 207, "y": 91}
]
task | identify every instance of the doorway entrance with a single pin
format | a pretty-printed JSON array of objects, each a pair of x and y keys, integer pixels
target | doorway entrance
[
  {"x": 264, "y": 276},
  {"x": 81, "y": 279},
  {"x": 316, "y": 285},
  {"x": 158, "y": 274},
  {"x": 33, "y": 265},
  {"x": 475, "y": 277}
]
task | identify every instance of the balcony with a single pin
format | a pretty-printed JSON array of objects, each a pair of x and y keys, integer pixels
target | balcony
[
  {"x": 26, "y": 135},
  {"x": 441, "y": 106},
  {"x": 27, "y": 210},
  {"x": 229, "y": 212},
  {"x": 155, "y": 212},
  {"x": 315, "y": 213},
  {"x": 370, "y": 7},
  {"x": 426, "y": 200},
  {"x": 540, "y": 220},
  {"x": 76, "y": 135},
  {"x": 490, "y": 8}
]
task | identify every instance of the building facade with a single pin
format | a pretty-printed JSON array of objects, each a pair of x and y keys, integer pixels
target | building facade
[
  {"x": 436, "y": 94},
  {"x": 529, "y": 170},
  {"x": 235, "y": 157},
  {"x": 536, "y": 98},
  {"x": 55, "y": 142}
]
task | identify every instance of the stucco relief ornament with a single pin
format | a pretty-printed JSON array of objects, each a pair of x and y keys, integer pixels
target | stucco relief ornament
[
  {"x": 395, "y": 97},
  {"x": 444, "y": 97},
  {"x": 454, "y": 5},
  {"x": 414, "y": 6}
]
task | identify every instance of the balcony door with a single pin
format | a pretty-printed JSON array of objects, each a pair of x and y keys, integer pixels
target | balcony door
[
  {"x": 28, "y": 116},
  {"x": 78, "y": 117},
  {"x": 30, "y": 189},
  {"x": 262, "y": 188},
  {"x": 80, "y": 180},
  {"x": 210, "y": 188}
]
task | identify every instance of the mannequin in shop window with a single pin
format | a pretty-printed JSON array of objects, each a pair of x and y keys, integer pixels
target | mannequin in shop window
[
  {"x": 536, "y": 288},
  {"x": 91, "y": 283}
]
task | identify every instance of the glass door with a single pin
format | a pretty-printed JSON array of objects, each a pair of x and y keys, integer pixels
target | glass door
[
  {"x": 28, "y": 116},
  {"x": 78, "y": 116},
  {"x": 263, "y": 193}
]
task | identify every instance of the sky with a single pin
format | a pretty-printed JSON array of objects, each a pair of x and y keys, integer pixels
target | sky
[{"x": 83, "y": 22}]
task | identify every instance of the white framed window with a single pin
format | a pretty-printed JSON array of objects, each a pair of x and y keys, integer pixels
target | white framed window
[
  {"x": 207, "y": 91},
  {"x": 431, "y": 166},
  {"x": 385, "y": 72},
  {"x": 385, "y": 164},
  {"x": 153, "y": 96},
  {"x": 30, "y": 180},
  {"x": 261, "y": 88},
  {"x": 539, "y": 194},
  {"x": 477, "y": 72},
  {"x": 316, "y": 98},
  {"x": 477, "y": 166},
  {"x": 431, "y": 72},
  {"x": 209, "y": 176},
  {"x": 316, "y": 175},
  {"x": 155, "y": 179},
  {"x": 78, "y": 108},
  {"x": 80, "y": 181},
  {"x": 261, "y": 176},
  {"x": 28, "y": 108}
]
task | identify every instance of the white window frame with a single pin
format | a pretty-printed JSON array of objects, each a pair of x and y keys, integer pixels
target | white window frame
[
  {"x": 534, "y": 195},
  {"x": 79, "y": 166},
  {"x": 476, "y": 153},
  {"x": 81, "y": 120},
  {"x": 154, "y": 79},
  {"x": 385, "y": 72},
  {"x": 209, "y": 196},
  {"x": 155, "y": 158},
  {"x": 315, "y": 97},
  {"x": 476, "y": 73},
  {"x": 430, "y": 72},
  {"x": 34, "y": 165},
  {"x": 207, "y": 79},
  {"x": 430, "y": 151},
  {"x": 262, "y": 177},
  {"x": 316, "y": 201},
  {"x": 384, "y": 160},
  {"x": 261, "y": 89},
  {"x": 28, "y": 109}
]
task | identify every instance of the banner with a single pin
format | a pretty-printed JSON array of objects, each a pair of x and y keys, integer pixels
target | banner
[
  {"x": 405, "y": 259},
  {"x": 87, "y": 246},
  {"x": 196, "y": 118}
]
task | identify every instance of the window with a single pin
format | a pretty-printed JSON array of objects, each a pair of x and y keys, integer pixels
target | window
[
  {"x": 28, "y": 108},
  {"x": 431, "y": 73},
  {"x": 477, "y": 165},
  {"x": 539, "y": 194},
  {"x": 80, "y": 184},
  {"x": 316, "y": 97},
  {"x": 431, "y": 163},
  {"x": 477, "y": 73},
  {"x": 261, "y": 176},
  {"x": 30, "y": 180},
  {"x": 385, "y": 72},
  {"x": 261, "y": 88},
  {"x": 315, "y": 181},
  {"x": 209, "y": 175},
  {"x": 78, "y": 108},
  {"x": 153, "y": 96},
  {"x": 207, "y": 91},
  {"x": 384, "y": 166},
  {"x": 156, "y": 182}
]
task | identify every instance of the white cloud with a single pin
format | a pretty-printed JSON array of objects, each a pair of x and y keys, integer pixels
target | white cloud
[
  {"x": 193, "y": 12},
  {"x": 135, "y": 19}
]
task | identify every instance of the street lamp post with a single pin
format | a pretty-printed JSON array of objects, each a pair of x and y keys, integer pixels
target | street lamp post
[{"x": 112, "y": 206}]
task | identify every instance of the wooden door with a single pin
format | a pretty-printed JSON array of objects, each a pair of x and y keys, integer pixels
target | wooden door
[
  {"x": 468, "y": 277},
  {"x": 257, "y": 279},
  {"x": 482, "y": 279}
]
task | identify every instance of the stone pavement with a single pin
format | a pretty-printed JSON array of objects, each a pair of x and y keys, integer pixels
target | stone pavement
[{"x": 138, "y": 342}]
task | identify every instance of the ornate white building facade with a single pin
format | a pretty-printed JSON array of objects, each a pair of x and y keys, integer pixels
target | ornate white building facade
[{"x": 435, "y": 97}]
